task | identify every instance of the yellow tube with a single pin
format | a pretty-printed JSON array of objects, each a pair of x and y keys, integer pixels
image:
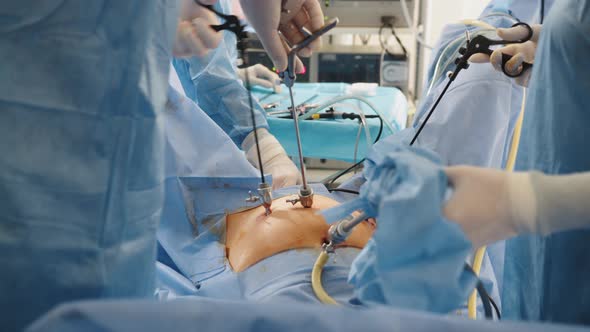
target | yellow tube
[
  {"x": 316, "y": 279},
  {"x": 477, "y": 262},
  {"x": 516, "y": 137},
  {"x": 480, "y": 253}
]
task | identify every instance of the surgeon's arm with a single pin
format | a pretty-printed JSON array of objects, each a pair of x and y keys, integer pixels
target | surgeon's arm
[
  {"x": 492, "y": 205},
  {"x": 194, "y": 35},
  {"x": 212, "y": 82}
]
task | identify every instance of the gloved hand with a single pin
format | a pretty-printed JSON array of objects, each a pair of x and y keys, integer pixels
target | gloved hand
[
  {"x": 268, "y": 17},
  {"x": 194, "y": 36},
  {"x": 490, "y": 205},
  {"x": 524, "y": 52},
  {"x": 274, "y": 159},
  {"x": 260, "y": 75}
]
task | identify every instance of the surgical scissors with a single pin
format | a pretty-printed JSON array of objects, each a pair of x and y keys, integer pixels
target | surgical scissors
[{"x": 482, "y": 44}]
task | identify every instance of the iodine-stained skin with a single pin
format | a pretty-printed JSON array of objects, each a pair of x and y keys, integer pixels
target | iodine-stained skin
[{"x": 252, "y": 236}]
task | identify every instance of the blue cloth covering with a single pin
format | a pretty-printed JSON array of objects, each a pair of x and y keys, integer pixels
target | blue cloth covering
[
  {"x": 333, "y": 139},
  {"x": 547, "y": 278},
  {"x": 192, "y": 314},
  {"x": 192, "y": 164},
  {"x": 81, "y": 178},
  {"x": 415, "y": 258},
  {"x": 212, "y": 82}
]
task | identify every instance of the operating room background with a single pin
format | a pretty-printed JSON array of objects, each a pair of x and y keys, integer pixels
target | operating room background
[
  {"x": 429, "y": 16},
  {"x": 360, "y": 38}
]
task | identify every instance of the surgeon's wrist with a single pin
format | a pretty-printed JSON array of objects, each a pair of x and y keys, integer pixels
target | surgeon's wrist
[
  {"x": 270, "y": 148},
  {"x": 522, "y": 203},
  {"x": 250, "y": 141}
]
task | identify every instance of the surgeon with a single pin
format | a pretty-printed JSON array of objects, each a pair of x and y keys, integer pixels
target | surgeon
[
  {"x": 547, "y": 272},
  {"x": 213, "y": 84},
  {"x": 83, "y": 87},
  {"x": 475, "y": 121}
]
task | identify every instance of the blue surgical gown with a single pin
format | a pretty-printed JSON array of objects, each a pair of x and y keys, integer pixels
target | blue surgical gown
[
  {"x": 81, "y": 174},
  {"x": 547, "y": 278},
  {"x": 213, "y": 83}
]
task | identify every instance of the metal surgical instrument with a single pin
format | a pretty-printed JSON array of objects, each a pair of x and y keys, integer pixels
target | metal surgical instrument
[
  {"x": 482, "y": 44},
  {"x": 232, "y": 23},
  {"x": 339, "y": 231},
  {"x": 479, "y": 44},
  {"x": 288, "y": 76}
]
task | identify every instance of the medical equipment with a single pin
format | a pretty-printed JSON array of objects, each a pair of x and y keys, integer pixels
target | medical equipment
[
  {"x": 480, "y": 44},
  {"x": 337, "y": 137},
  {"x": 365, "y": 13},
  {"x": 289, "y": 76},
  {"x": 232, "y": 23},
  {"x": 339, "y": 231}
]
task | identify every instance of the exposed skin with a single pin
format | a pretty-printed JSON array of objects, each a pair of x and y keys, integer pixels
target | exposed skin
[{"x": 252, "y": 236}]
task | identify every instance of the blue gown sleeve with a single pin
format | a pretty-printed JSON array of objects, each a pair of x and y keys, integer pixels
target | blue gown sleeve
[{"x": 212, "y": 82}]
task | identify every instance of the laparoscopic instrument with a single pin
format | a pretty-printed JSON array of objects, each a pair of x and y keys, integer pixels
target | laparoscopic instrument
[
  {"x": 233, "y": 24},
  {"x": 288, "y": 76},
  {"x": 479, "y": 44}
]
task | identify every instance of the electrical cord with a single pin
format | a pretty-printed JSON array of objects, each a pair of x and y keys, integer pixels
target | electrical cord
[
  {"x": 483, "y": 293},
  {"x": 542, "y": 14},
  {"x": 342, "y": 190},
  {"x": 496, "y": 309},
  {"x": 354, "y": 166},
  {"x": 333, "y": 178},
  {"x": 383, "y": 43},
  {"x": 392, "y": 127}
]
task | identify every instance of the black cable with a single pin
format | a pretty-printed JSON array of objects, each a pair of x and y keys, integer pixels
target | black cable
[
  {"x": 485, "y": 300},
  {"x": 496, "y": 309},
  {"x": 351, "y": 168},
  {"x": 483, "y": 293},
  {"x": 542, "y": 16},
  {"x": 430, "y": 112},
  {"x": 380, "y": 130},
  {"x": 348, "y": 191},
  {"x": 382, "y": 43},
  {"x": 346, "y": 171}
]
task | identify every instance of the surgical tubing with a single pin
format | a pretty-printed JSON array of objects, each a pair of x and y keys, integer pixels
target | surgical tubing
[
  {"x": 363, "y": 125},
  {"x": 477, "y": 263},
  {"x": 353, "y": 97},
  {"x": 343, "y": 229},
  {"x": 316, "y": 279},
  {"x": 479, "y": 254}
]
